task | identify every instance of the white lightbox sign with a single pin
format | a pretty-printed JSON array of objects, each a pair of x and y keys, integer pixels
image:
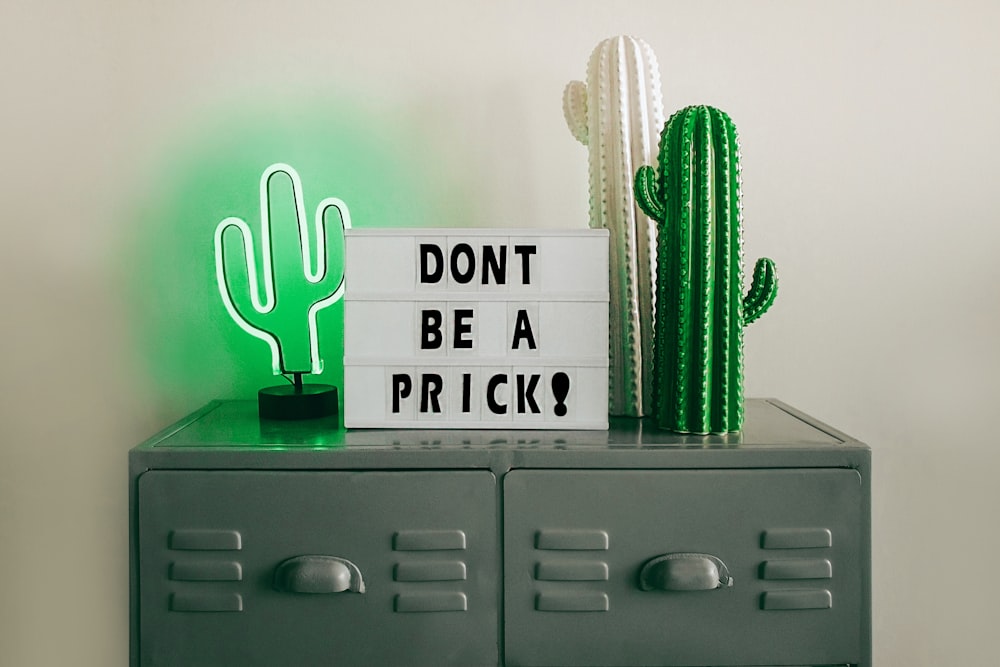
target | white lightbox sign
[{"x": 476, "y": 328}]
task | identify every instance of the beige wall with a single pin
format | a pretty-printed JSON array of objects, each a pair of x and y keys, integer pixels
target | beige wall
[{"x": 870, "y": 137}]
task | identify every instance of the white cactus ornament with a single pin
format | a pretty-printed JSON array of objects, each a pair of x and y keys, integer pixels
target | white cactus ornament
[{"x": 618, "y": 115}]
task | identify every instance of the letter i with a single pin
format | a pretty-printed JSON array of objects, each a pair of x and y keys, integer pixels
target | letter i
[{"x": 466, "y": 392}]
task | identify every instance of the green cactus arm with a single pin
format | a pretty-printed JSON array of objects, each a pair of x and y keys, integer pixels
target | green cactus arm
[
  {"x": 762, "y": 292},
  {"x": 325, "y": 281},
  {"x": 240, "y": 267},
  {"x": 575, "y": 110},
  {"x": 647, "y": 193}
]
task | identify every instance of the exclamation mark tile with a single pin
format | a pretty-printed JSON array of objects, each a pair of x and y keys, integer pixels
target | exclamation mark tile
[{"x": 561, "y": 398}]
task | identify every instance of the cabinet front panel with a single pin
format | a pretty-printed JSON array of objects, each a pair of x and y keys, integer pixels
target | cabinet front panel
[
  {"x": 723, "y": 567},
  {"x": 265, "y": 568}
]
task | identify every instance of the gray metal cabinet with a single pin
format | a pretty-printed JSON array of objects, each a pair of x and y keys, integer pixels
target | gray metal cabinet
[{"x": 258, "y": 545}]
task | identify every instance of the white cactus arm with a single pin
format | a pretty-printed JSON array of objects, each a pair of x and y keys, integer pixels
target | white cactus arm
[{"x": 575, "y": 110}]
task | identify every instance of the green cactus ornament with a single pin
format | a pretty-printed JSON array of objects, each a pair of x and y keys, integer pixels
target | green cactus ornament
[
  {"x": 617, "y": 115},
  {"x": 296, "y": 280},
  {"x": 701, "y": 310}
]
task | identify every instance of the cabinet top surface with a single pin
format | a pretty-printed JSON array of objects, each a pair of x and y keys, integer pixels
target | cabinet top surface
[{"x": 230, "y": 425}]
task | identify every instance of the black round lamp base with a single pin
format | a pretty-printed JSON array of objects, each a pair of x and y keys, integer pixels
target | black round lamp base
[{"x": 288, "y": 402}]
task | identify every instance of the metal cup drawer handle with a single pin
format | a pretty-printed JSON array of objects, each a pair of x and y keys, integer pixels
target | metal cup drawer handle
[
  {"x": 318, "y": 574},
  {"x": 684, "y": 572}
]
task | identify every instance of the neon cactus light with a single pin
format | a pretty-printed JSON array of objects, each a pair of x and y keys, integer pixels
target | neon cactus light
[
  {"x": 701, "y": 310},
  {"x": 617, "y": 114},
  {"x": 281, "y": 314}
]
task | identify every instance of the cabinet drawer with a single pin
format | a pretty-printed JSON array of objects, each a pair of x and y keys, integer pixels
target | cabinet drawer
[
  {"x": 615, "y": 567},
  {"x": 245, "y": 568}
]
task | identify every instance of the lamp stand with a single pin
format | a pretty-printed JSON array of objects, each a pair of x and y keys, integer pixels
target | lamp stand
[{"x": 297, "y": 400}]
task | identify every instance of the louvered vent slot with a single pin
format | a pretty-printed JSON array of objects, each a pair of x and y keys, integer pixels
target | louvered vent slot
[
  {"x": 424, "y": 566},
  {"x": 800, "y": 582},
  {"x": 203, "y": 574},
  {"x": 567, "y": 576}
]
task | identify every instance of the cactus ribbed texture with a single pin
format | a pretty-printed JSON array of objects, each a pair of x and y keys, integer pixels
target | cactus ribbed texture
[
  {"x": 285, "y": 318},
  {"x": 617, "y": 114},
  {"x": 698, "y": 348}
]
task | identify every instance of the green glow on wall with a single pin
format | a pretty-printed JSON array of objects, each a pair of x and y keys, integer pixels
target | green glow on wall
[
  {"x": 379, "y": 160},
  {"x": 289, "y": 353}
]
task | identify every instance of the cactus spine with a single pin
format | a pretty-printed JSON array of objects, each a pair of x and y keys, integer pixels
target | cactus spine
[
  {"x": 617, "y": 114},
  {"x": 285, "y": 318},
  {"x": 698, "y": 348}
]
